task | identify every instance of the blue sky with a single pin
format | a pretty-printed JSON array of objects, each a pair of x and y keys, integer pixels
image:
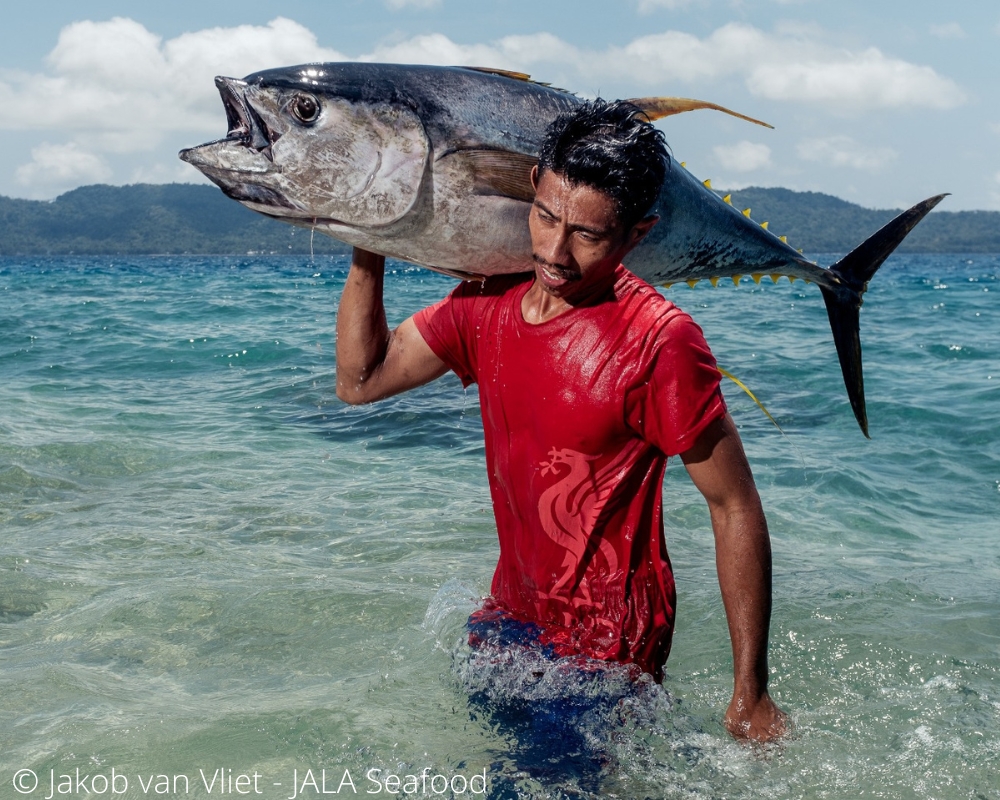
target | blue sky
[{"x": 880, "y": 103}]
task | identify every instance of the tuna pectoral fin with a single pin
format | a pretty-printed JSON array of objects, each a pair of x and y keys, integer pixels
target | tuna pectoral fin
[
  {"x": 499, "y": 172},
  {"x": 659, "y": 107},
  {"x": 843, "y": 297}
]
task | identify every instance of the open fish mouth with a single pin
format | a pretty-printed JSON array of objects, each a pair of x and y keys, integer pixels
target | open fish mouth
[{"x": 246, "y": 127}]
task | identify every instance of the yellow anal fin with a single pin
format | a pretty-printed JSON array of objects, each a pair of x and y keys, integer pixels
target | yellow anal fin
[
  {"x": 753, "y": 397},
  {"x": 659, "y": 107}
]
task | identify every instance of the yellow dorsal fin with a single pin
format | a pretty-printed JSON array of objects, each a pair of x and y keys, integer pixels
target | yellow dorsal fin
[
  {"x": 692, "y": 282},
  {"x": 743, "y": 386},
  {"x": 714, "y": 281},
  {"x": 756, "y": 277},
  {"x": 517, "y": 76},
  {"x": 764, "y": 225},
  {"x": 659, "y": 107},
  {"x": 746, "y": 213}
]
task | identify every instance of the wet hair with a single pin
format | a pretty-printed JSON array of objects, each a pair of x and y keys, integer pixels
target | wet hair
[{"x": 611, "y": 147}]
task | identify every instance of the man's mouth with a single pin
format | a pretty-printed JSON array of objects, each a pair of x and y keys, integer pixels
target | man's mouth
[{"x": 555, "y": 273}]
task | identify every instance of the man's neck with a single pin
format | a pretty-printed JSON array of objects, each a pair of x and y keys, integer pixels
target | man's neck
[{"x": 539, "y": 306}]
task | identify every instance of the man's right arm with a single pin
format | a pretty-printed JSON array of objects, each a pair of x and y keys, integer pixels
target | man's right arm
[{"x": 372, "y": 361}]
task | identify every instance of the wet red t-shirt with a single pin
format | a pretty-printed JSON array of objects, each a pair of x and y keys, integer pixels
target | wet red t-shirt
[{"x": 580, "y": 414}]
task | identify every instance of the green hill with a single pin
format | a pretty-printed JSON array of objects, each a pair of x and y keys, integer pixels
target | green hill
[
  {"x": 175, "y": 218},
  {"x": 199, "y": 219},
  {"x": 819, "y": 223}
]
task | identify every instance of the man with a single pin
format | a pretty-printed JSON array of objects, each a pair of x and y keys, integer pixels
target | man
[{"x": 588, "y": 380}]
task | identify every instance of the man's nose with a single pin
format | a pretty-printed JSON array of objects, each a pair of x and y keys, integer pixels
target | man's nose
[{"x": 554, "y": 248}]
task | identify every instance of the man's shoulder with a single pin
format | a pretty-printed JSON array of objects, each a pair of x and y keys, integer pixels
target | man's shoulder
[{"x": 645, "y": 303}]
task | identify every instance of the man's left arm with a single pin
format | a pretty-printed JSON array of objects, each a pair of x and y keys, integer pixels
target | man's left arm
[{"x": 719, "y": 468}]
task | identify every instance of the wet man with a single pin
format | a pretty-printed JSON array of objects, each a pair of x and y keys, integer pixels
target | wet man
[{"x": 588, "y": 381}]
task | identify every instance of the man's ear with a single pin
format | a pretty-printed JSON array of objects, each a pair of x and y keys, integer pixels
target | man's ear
[
  {"x": 534, "y": 177},
  {"x": 640, "y": 229}
]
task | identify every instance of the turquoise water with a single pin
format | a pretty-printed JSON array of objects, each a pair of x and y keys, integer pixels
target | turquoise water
[{"x": 209, "y": 563}]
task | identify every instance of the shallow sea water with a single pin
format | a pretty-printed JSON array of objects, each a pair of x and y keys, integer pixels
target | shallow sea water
[{"x": 211, "y": 568}]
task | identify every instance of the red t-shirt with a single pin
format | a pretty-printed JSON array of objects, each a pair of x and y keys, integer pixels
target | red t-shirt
[{"x": 580, "y": 414}]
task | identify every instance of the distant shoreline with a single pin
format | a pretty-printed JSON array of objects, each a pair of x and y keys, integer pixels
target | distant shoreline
[{"x": 196, "y": 219}]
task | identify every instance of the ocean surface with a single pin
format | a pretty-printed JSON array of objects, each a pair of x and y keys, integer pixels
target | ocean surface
[{"x": 218, "y": 580}]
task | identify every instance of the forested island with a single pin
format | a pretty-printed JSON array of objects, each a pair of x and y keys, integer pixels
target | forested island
[{"x": 148, "y": 219}]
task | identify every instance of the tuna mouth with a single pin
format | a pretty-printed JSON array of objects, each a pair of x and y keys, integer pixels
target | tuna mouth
[{"x": 246, "y": 127}]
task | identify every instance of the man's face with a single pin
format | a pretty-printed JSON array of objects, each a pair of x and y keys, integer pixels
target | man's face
[{"x": 577, "y": 239}]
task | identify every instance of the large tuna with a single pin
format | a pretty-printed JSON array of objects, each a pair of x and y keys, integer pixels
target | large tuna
[{"x": 431, "y": 165}]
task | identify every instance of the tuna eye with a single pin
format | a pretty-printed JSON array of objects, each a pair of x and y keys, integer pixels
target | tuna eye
[{"x": 305, "y": 108}]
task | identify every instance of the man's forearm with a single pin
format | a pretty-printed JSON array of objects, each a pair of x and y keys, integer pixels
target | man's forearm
[
  {"x": 743, "y": 560},
  {"x": 362, "y": 330}
]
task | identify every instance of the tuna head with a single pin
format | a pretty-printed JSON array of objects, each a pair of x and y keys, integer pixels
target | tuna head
[{"x": 299, "y": 153}]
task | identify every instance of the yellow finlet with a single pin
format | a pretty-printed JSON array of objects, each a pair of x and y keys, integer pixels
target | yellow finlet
[
  {"x": 714, "y": 281},
  {"x": 807, "y": 280},
  {"x": 728, "y": 199},
  {"x": 707, "y": 183},
  {"x": 791, "y": 279},
  {"x": 684, "y": 164},
  {"x": 667, "y": 285},
  {"x": 764, "y": 225},
  {"x": 692, "y": 282},
  {"x": 784, "y": 239},
  {"x": 737, "y": 279},
  {"x": 742, "y": 385},
  {"x": 746, "y": 213},
  {"x": 756, "y": 277},
  {"x": 774, "y": 278}
]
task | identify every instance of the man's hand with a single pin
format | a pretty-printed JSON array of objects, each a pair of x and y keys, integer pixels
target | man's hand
[
  {"x": 757, "y": 719},
  {"x": 719, "y": 468}
]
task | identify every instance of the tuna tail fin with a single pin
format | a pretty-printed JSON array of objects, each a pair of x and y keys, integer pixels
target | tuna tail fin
[{"x": 843, "y": 298}]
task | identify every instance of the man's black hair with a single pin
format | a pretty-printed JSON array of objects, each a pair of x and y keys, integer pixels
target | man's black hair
[{"x": 613, "y": 148}]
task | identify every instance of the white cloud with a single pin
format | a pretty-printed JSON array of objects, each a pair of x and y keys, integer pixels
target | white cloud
[
  {"x": 789, "y": 66},
  {"x": 117, "y": 79},
  {"x": 950, "y": 30},
  {"x": 843, "y": 151},
  {"x": 115, "y": 87},
  {"x": 56, "y": 167},
  {"x": 649, "y": 6},
  {"x": 743, "y": 156},
  {"x": 398, "y": 4}
]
